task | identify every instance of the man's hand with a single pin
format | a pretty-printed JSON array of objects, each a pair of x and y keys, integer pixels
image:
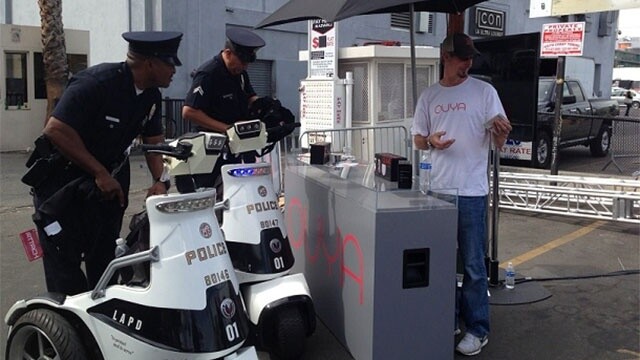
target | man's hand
[
  {"x": 158, "y": 188},
  {"x": 437, "y": 142},
  {"x": 501, "y": 127},
  {"x": 110, "y": 188}
]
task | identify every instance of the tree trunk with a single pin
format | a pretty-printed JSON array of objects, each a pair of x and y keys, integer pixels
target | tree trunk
[{"x": 54, "y": 53}]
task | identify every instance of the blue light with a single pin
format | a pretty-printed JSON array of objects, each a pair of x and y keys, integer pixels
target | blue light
[
  {"x": 251, "y": 171},
  {"x": 241, "y": 172}
]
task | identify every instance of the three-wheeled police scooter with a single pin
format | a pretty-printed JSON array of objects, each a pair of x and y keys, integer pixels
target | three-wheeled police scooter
[
  {"x": 279, "y": 304},
  {"x": 188, "y": 308}
]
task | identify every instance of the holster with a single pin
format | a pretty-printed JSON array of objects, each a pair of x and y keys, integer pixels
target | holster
[
  {"x": 40, "y": 171},
  {"x": 42, "y": 162}
]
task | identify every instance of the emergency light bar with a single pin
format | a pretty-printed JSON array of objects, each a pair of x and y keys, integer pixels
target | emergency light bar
[{"x": 243, "y": 172}]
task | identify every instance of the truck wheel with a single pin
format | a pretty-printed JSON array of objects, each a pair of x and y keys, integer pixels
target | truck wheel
[
  {"x": 289, "y": 334},
  {"x": 600, "y": 145},
  {"x": 543, "y": 151},
  {"x": 44, "y": 334}
]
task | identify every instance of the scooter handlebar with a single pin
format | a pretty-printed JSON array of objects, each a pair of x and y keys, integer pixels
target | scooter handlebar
[{"x": 181, "y": 151}]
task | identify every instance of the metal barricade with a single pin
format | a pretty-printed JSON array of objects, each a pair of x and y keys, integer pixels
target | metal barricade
[
  {"x": 172, "y": 120},
  {"x": 625, "y": 145},
  {"x": 361, "y": 142}
]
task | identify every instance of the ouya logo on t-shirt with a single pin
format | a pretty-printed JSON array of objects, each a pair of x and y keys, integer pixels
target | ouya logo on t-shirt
[{"x": 445, "y": 108}]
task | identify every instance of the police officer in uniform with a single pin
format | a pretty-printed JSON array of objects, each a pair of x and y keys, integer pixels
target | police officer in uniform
[
  {"x": 221, "y": 93},
  {"x": 81, "y": 202}
]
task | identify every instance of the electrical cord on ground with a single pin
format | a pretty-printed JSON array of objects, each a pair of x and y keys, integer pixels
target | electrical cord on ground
[{"x": 611, "y": 274}]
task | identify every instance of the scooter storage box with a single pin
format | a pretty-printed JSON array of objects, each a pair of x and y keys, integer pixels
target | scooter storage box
[
  {"x": 387, "y": 165},
  {"x": 320, "y": 153}
]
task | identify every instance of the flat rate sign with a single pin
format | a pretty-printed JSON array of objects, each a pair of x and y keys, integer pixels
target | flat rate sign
[
  {"x": 562, "y": 39},
  {"x": 323, "y": 62}
]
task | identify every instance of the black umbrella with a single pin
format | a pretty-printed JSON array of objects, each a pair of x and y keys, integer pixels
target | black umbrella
[{"x": 334, "y": 10}]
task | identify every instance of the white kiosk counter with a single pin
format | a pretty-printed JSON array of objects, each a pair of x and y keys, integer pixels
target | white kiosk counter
[{"x": 380, "y": 261}]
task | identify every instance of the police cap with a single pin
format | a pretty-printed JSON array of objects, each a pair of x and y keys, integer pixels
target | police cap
[
  {"x": 244, "y": 43},
  {"x": 159, "y": 44}
]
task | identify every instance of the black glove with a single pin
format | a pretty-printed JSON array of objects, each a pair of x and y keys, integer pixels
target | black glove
[
  {"x": 278, "y": 133},
  {"x": 271, "y": 112},
  {"x": 263, "y": 105}
]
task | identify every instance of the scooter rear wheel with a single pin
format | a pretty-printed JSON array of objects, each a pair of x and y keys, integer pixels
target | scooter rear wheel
[
  {"x": 289, "y": 334},
  {"x": 44, "y": 334}
]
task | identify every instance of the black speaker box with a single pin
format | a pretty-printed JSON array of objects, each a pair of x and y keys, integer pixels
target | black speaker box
[{"x": 320, "y": 153}]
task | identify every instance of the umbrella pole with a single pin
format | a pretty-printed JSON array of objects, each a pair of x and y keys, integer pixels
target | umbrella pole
[
  {"x": 414, "y": 79},
  {"x": 455, "y": 23},
  {"x": 412, "y": 39}
]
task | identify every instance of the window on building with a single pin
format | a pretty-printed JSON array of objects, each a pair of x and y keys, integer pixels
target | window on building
[
  {"x": 423, "y": 76},
  {"x": 16, "y": 79},
  {"x": 395, "y": 89},
  {"x": 40, "y": 89},
  {"x": 424, "y": 21},
  {"x": 391, "y": 86},
  {"x": 360, "y": 89},
  {"x": 260, "y": 76},
  {"x": 401, "y": 20},
  {"x": 75, "y": 62}
]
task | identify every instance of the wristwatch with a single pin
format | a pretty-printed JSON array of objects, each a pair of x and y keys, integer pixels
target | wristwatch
[
  {"x": 166, "y": 183},
  {"x": 429, "y": 146}
]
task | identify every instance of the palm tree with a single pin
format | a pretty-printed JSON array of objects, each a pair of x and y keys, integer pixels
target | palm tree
[{"x": 54, "y": 53}]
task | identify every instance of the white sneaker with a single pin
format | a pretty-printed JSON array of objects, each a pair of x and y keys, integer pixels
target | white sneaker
[{"x": 471, "y": 344}]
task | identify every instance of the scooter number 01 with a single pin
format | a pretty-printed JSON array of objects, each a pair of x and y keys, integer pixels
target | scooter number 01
[
  {"x": 278, "y": 262},
  {"x": 232, "y": 332}
]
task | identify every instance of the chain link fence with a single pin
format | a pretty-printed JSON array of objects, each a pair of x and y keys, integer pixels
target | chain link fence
[{"x": 624, "y": 153}]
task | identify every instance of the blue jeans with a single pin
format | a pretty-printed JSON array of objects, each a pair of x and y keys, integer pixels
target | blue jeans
[{"x": 472, "y": 301}]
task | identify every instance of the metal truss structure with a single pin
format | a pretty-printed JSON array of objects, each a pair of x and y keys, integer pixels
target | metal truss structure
[{"x": 585, "y": 197}]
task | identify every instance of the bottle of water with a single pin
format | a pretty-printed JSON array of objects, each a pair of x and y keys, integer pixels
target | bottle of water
[
  {"x": 121, "y": 247},
  {"x": 425, "y": 171},
  {"x": 510, "y": 277}
]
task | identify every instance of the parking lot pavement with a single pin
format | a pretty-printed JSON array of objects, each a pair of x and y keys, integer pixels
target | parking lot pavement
[{"x": 595, "y": 318}]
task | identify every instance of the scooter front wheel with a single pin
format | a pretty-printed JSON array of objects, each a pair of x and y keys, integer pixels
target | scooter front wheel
[
  {"x": 44, "y": 334},
  {"x": 289, "y": 334}
]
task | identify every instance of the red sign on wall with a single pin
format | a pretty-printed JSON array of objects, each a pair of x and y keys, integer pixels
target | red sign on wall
[{"x": 562, "y": 39}]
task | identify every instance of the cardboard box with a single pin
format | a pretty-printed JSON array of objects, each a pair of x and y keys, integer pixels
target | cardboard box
[{"x": 387, "y": 165}]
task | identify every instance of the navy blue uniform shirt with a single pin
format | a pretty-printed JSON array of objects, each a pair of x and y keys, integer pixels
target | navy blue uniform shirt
[
  {"x": 101, "y": 104},
  {"x": 219, "y": 94}
]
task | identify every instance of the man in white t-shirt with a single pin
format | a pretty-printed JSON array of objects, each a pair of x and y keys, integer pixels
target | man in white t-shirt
[{"x": 457, "y": 119}]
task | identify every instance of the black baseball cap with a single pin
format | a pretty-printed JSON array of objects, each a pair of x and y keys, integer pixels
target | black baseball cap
[
  {"x": 244, "y": 43},
  {"x": 159, "y": 44},
  {"x": 459, "y": 44}
]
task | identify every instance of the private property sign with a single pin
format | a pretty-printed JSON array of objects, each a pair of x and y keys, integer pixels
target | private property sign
[{"x": 562, "y": 39}]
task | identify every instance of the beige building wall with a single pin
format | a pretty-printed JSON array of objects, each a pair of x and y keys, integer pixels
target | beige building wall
[{"x": 21, "y": 123}]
